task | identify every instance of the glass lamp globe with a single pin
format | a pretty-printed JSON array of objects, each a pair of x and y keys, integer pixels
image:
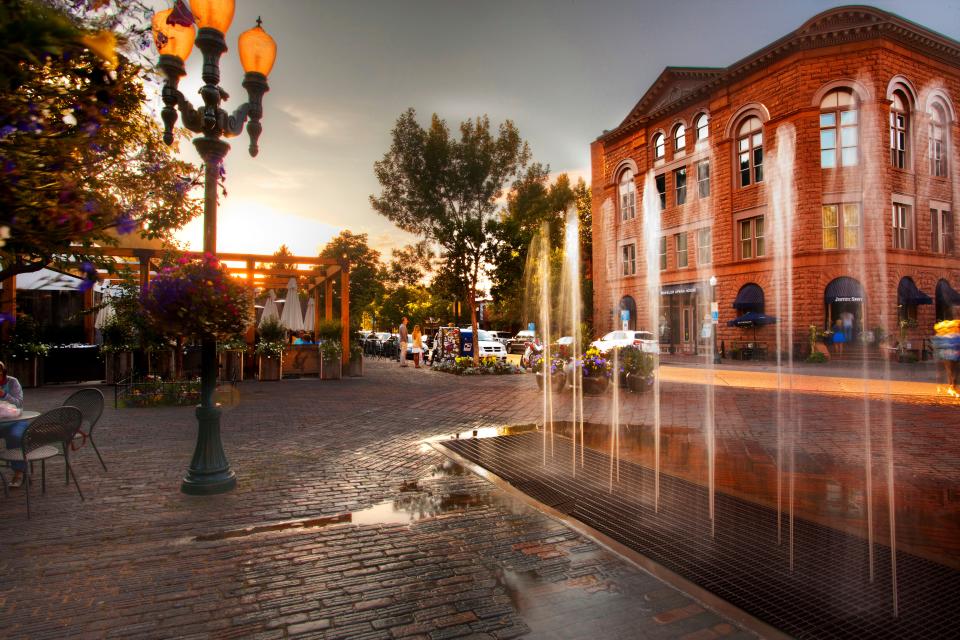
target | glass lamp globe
[
  {"x": 257, "y": 50},
  {"x": 172, "y": 39},
  {"x": 215, "y": 14}
]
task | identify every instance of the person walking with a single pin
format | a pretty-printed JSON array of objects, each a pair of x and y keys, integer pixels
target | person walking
[
  {"x": 403, "y": 342},
  {"x": 417, "y": 345}
]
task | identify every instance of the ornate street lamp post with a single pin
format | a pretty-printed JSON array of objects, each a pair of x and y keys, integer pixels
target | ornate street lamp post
[{"x": 174, "y": 36}]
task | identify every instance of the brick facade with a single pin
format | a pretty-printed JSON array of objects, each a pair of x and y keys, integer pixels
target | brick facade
[{"x": 870, "y": 53}]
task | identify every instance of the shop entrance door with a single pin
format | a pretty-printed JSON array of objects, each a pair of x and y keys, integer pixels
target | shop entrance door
[{"x": 687, "y": 334}]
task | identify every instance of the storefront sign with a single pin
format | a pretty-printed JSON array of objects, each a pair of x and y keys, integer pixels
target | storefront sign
[
  {"x": 625, "y": 319},
  {"x": 679, "y": 289},
  {"x": 848, "y": 299}
]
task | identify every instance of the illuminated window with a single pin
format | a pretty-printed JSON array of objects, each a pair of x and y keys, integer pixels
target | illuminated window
[
  {"x": 838, "y": 113},
  {"x": 841, "y": 226},
  {"x": 750, "y": 151}
]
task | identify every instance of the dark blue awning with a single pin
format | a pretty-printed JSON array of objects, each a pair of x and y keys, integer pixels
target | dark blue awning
[
  {"x": 909, "y": 295},
  {"x": 946, "y": 295},
  {"x": 749, "y": 298},
  {"x": 843, "y": 289},
  {"x": 751, "y": 319}
]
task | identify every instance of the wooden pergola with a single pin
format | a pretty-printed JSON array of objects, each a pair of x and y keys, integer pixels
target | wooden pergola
[{"x": 317, "y": 278}]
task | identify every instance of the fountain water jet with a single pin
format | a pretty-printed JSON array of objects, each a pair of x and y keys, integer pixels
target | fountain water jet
[{"x": 651, "y": 240}]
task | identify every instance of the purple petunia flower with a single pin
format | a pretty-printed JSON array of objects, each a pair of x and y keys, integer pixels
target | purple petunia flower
[
  {"x": 126, "y": 224},
  {"x": 7, "y": 130},
  {"x": 89, "y": 206}
]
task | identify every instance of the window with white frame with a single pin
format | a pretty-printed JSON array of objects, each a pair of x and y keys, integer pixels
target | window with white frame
[
  {"x": 702, "y": 126},
  {"x": 704, "y": 246},
  {"x": 941, "y": 231},
  {"x": 663, "y": 253},
  {"x": 938, "y": 142},
  {"x": 839, "y": 129},
  {"x": 683, "y": 258},
  {"x": 679, "y": 137},
  {"x": 628, "y": 196},
  {"x": 902, "y": 226},
  {"x": 751, "y": 236},
  {"x": 680, "y": 184},
  {"x": 841, "y": 226},
  {"x": 703, "y": 178},
  {"x": 661, "y": 181},
  {"x": 659, "y": 147},
  {"x": 628, "y": 259},
  {"x": 750, "y": 151},
  {"x": 899, "y": 129}
]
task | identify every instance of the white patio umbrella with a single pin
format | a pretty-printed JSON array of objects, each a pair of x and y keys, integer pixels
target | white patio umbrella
[
  {"x": 106, "y": 312},
  {"x": 292, "y": 316},
  {"x": 269, "y": 309},
  {"x": 308, "y": 316}
]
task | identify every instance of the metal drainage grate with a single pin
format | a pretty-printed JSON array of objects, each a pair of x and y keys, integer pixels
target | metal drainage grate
[{"x": 828, "y": 595}]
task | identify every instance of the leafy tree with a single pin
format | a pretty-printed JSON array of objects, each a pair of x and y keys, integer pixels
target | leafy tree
[
  {"x": 583, "y": 200},
  {"x": 366, "y": 270},
  {"x": 81, "y": 157},
  {"x": 445, "y": 188},
  {"x": 410, "y": 264}
]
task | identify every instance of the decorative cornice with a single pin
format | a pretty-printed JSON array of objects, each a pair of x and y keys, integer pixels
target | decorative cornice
[{"x": 841, "y": 25}]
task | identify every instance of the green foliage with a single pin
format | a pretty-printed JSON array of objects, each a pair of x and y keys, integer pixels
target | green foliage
[
  {"x": 330, "y": 330},
  {"x": 24, "y": 341},
  {"x": 366, "y": 270},
  {"x": 118, "y": 335},
  {"x": 82, "y": 156},
  {"x": 464, "y": 366},
  {"x": 816, "y": 357},
  {"x": 157, "y": 393},
  {"x": 235, "y": 343},
  {"x": 330, "y": 349},
  {"x": 633, "y": 360},
  {"x": 272, "y": 331},
  {"x": 410, "y": 264},
  {"x": 445, "y": 188}
]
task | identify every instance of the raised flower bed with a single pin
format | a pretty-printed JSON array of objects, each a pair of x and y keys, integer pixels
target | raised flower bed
[
  {"x": 555, "y": 374},
  {"x": 463, "y": 366},
  {"x": 157, "y": 393}
]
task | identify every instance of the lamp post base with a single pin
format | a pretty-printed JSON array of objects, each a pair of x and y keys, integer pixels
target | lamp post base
[{"x": 209, "y": 471}]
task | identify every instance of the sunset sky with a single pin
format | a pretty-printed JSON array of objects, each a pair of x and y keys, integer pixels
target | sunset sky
[{"x": 563, "y": 71}]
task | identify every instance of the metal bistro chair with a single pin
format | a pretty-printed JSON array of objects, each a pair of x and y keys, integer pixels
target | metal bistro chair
[
  {"x": 47, "y": 437},
  {"x": 90, "y": 402}
]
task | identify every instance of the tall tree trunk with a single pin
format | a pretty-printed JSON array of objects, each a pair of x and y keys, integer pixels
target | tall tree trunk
[{"x": 473, "y": 322}]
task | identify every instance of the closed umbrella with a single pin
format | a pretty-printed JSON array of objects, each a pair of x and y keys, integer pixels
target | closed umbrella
[
  {"x": 269, "y": 309},
  {"x": 308, "y": 317},
  {"x": 106, "y": 312},
  {"x": 292, "y": 316}
]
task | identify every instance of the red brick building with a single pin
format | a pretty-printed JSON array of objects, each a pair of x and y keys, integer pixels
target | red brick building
[{"x": 863, "y": 105}]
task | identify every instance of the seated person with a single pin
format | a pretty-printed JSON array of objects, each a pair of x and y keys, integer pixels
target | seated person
[{"x": 11, "y": 404}]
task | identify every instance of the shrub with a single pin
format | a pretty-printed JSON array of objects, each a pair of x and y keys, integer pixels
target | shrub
[
  {"x": 816, "y": 357},
  {"x": 272, "y": 336}
]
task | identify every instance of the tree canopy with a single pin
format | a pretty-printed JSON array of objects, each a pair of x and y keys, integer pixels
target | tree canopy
[
  {"x": 366, "y": 269},
  {"x": 81, "y": 157},
  {"x": 445, "y": 188}
]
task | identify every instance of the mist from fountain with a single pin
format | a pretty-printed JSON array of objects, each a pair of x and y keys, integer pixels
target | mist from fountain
[
  {"x": 651, "y": 241},
  {"x": 573, "y": 312}
]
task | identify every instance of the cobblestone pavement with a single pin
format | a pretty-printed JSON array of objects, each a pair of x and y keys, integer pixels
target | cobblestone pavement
[{"x": 346, "y": 525}]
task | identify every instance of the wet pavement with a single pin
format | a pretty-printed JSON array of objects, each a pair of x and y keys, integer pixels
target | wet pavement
[{"x": 347, "y": 524}]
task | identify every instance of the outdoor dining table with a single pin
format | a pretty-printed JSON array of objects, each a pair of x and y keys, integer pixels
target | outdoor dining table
[{"x": 29, "y": 416}]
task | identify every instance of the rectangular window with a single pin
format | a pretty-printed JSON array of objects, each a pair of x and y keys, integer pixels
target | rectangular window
[
  {"x": 831, "y": 226},
  {"x": 628, "y": 259},
  {"x": 902, "y": 227},
  {"x": 751, "y": 238},
  {"x": 662, "y": 190},
  {"x": 663, "y": 253},
  {"x": 898, "y": 139},
  {"x": 704, "y": 246},
  {"x": 934, "y": 231},
  {"x": 683, "y": 259},
  {"x": 841, "y": 226},
  {"x": 851, "y": 226},
  {"x": 703, "y": 178},
  {"x": 828, "y": 140},
  {"x": 941, "y": 232},
  {"x": 680, "y": 184}
]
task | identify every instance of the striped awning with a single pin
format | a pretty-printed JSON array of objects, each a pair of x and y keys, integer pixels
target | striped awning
[
  {"x": 749, "y": 298},
  {"x": 843, "y": 289}
]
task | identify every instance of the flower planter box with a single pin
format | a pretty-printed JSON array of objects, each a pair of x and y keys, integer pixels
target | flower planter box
[
  {"x": 638, "y": 383},
  {"x": 330, "y": 368},
  {"x": 271, "y": 368},
  {"x": 231, "y": 366},
  {"x": 301, "y": 360},
  {"x": 119, "y": 366},
  {"x": 557, "y": 381},
  {"x": 29, "y": 371},
  {"x": 356, "y": 366},
  {"x": 594, "y": 386}
]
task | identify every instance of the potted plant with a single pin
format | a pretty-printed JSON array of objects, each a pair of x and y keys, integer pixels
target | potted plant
[
  {"x": 330, "y": 359},
  {"x": 23, "y": 353},
  {"x": 555, "y": 374},
  {"x": 356, "y": 357},
  {"x": 596, "y": 372},
  {"x": 231, "y": 358},
  {"x": 637, "y": 367},
  {"x": 904, "y": 354},
  {"x": 119, "y": 342},
  {"x": 269, "y": 350}
]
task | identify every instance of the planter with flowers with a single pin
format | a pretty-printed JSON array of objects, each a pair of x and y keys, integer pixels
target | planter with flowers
[
  {"x": 231, "y": 358},
  {"x": 269, "y": 350},
  {"x": 119, "y": 343},
  {"x": 23, "y": 353},
  {"x": 596, "y": 372},
  {"x": 637, "y": 368},
  {"x": 197, "y": 298},
  {"x": 356, "y": 358},
  {"x": 555, "y": 374},
  {"x": 331, "y": 366}
]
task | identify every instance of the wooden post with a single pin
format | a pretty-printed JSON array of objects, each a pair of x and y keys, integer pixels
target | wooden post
[
  {"x": 345, "y": 314},
  {"x": 328, "y": 299},
  {"x": 316, "y": 313},
  {"x": 89, "y": 330},
  {"x": 144, "y": 271},
  {"x": 252, "y": 329},
  {"x": 8, "y": 304}
]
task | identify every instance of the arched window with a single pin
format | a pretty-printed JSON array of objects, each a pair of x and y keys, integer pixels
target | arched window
[
  {"x": 627, "y": 191},
  {"x": 701, "y": 124},
  {"x": 938, "y": 141},
  {"x": 839, "y": 129},
  {"x": 679, "y": 138},
  {"x": 659, "y": 146},
  {"x": 899, "y": 129},
  {"x": 750, "y": 151}
]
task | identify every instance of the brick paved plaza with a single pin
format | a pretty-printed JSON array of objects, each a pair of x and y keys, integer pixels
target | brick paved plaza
[{"x": 429, "y": 551}]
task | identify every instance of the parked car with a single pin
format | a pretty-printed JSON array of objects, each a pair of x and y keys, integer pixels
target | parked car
[
  {"x": 500, "y": 336},
  {"x": 519, "y": 342},
  {"x": 485, "y": 344},
  {"x": 643, "y": 339}
]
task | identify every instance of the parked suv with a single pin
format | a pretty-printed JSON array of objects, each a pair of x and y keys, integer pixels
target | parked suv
[
  {"x": 485, "y": 344},
  {"x": 519, "y": 342},
  {"x": 642, "y": 339}
]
